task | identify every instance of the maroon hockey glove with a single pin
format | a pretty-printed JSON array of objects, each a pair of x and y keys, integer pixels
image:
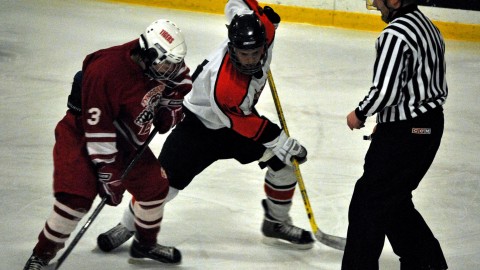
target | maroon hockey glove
[
  {"x": 110, "y": 185},
  {"x": 166, "y": 117}
]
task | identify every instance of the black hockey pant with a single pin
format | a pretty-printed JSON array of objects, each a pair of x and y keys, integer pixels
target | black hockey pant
[{"x": 191, "y": 147}]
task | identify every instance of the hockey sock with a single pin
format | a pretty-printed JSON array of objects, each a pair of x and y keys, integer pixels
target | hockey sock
[
  {"x": 66, "y": 214},
  {"x": 128, "y": 218},
  {"x": 148, "y": 216},
  {"x": 279, "y": 188}
]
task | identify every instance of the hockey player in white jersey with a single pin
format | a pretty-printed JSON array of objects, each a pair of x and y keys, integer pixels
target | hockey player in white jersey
[{"x": 221, "y": 122}]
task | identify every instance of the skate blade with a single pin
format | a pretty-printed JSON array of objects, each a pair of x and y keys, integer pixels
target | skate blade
[
  {"x": 150, "y": 262},
  {"x": 280, "y": 243}
]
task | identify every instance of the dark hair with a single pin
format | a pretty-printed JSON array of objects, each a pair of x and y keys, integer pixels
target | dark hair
[{"x": 409, "y": 2}]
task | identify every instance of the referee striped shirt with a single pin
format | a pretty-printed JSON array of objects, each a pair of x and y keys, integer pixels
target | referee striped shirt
[{"x": 409, "y": 71}]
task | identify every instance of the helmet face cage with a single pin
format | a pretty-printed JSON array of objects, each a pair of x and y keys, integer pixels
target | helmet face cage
[
  {"x": 249, "y": 70},
  {"x": 164, "y": 70},
  {"x": 246, "y": 32},
  {"x": 163, "y": 48}
]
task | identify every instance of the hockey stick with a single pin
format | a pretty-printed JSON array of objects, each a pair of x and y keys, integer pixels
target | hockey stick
[
  {"x": 336, "y": 242},
  {"x": 102, "y": 203}
]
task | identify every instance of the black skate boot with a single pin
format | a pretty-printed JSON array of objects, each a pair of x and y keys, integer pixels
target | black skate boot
[
  {"x": 35, "y": 263},
  {"x": 113, "y": 238},
  {"x": 169, "y": 255},
  {"x": 278, "y": 233}
]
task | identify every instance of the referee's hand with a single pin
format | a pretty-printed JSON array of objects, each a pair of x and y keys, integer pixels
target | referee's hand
[{"x": 353, "y": 122}]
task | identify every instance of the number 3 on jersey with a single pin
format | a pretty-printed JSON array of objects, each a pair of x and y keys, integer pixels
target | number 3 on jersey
[{"x": 94, "y": 116}]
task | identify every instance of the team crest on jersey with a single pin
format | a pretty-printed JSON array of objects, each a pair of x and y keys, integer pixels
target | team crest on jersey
[
  {"x": 149, "y": 102},
  {"x": 152, "y": 95}
]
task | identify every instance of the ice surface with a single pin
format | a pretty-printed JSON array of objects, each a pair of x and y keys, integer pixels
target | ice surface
[{"x": 321, "y": 74}]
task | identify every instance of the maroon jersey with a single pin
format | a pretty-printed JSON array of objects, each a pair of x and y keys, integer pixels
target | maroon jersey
[{"x": 119, "y": 100}]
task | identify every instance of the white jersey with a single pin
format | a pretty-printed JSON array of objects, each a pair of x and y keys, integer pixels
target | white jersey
[{"x": 223, "y": 97}]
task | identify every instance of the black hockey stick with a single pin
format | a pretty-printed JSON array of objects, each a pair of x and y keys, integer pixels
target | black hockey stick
[
  {"x": 102, "y": 203},
  {"x": 336, "y": 242}
]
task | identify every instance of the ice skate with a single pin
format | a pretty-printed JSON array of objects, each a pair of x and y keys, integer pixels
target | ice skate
[
  {"x": 113, "y": 238},
  {"x": 278, "y": 233},
  {"x": 163, "y": 254},
  {"x": 35, "y": 263}
]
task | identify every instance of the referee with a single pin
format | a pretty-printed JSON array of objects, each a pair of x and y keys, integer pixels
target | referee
[{"x": 407, "y": 93}]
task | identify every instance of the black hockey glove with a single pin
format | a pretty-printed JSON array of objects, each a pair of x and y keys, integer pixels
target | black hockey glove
[
  {"x": 75, "y": 98},
  {"x": 271, "y": 15}
]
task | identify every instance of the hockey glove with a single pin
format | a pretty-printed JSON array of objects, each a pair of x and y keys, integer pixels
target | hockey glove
[
  {"x": 271, "y": 15},
  {"x": 167, "y": 116},
  {"x": 75, "y": 98},
  {"x": 110, "y": 185},
  {"x": 287, "y": 149}
]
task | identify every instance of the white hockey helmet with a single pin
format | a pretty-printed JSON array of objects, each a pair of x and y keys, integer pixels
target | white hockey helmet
[{"x": 163, "y": 49}]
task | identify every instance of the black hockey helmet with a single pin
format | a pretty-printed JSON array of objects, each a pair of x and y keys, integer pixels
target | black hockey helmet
[{"x": 246, "y": 31}]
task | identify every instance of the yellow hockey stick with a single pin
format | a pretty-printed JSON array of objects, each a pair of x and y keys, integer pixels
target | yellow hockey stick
[{"x": 336, "y": 242}]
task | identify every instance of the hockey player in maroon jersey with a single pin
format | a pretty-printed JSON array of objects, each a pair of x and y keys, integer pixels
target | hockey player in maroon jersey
[
  {"x": 221, "y": 122},
  {"x": 115, "y": 99}
]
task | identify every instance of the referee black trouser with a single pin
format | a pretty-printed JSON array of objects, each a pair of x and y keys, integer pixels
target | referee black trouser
[{"x": 399, "y": 156}]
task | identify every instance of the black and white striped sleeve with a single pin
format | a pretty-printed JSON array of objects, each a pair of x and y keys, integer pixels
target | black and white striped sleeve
[
  {"x": 389, "y": 75},
  {"x": 409, "y": 71}
]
